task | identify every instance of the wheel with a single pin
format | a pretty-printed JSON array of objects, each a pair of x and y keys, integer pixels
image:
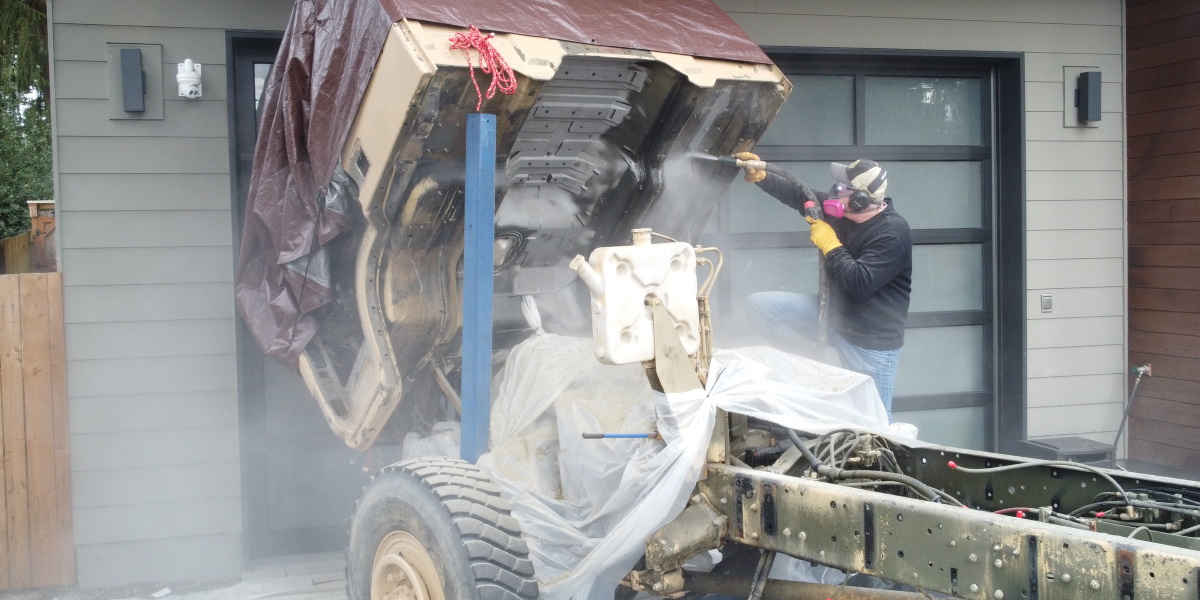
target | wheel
[{"x": 436, "y": 529}]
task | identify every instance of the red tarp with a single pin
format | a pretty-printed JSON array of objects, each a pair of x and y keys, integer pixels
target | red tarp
[{"x": 326, "y": 59}]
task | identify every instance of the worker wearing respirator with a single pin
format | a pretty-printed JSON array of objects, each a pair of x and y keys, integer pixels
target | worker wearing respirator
[{"x": 867, "y": 247}]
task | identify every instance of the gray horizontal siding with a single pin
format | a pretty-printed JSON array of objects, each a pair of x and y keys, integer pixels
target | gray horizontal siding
[
  {"x": 1069, "y": 12},
  {"x": 1074, "y": 156},
  {"x": 85, "y": 42},
  {"x": 157, "y": 302},
  {"x": 1049, "y": 66},
  {"x": 175, "y": 483},
  {"x": 156, "y": 375},
  {"x": 123, "y": 266},
  {"x": 1047, "y": 126},
  {"x": 157, "y": 520},
  {"x": 1076, "y": 273},
  {"x": 1075, "y": 243},
  {"x": 162, "y": 448},
  {"x": 154, "y": 229},
  {"x": 776, "y": 29},
  {"x": 149, "y": 339},
  {"x": 148, "y": 191},
  {"x": 1076, "y": 390},
  {"x": 1077, "y": 214},
  {"x": 1097, "y": 421},
  {"x": 216, "y": 14},
  {"x": 181, "y": 118},
  {"x": 138, "y": 155},
  {"x": 1074, "y": 185},
  {"x": 1084, "y": 331},
  {"x": 158, "y": 412},
  {"x": 1076, "y": 360},
  {"x": 192, "y": 558}
]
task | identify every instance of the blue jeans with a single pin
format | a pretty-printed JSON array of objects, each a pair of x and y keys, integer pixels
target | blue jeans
[{"x": 789, "y": 321}]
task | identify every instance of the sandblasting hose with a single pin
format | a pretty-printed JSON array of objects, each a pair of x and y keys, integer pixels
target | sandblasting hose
[{"x": 763, "y": 165}]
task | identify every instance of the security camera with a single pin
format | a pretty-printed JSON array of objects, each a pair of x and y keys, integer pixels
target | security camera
[{"x": 188, "y": 79}]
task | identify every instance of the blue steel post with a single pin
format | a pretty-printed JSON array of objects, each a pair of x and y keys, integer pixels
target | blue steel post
[{"x": 480, "y": 225}]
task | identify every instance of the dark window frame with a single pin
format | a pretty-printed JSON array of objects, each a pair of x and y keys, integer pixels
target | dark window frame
[{"x": 1003, "y": 156}]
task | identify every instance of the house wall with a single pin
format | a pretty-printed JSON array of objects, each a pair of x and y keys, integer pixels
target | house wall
[
  {"x": 1075, "y": 179},
  {"x": 144, "y": 216},
  {"x": 1164, "y": 233},
  {"x": 147, "y": 262}
]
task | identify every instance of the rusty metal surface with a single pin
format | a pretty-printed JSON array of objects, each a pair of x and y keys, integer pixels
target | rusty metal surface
[
  {"x": 937, "y": 547},
  {"x": 698, "y": 529},
  {"x": 694, "y": 27}
]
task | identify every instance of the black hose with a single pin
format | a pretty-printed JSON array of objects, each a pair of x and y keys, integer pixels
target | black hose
[
  {"x": 835, "y": 473},
  {"x": 806, "y": 191}
]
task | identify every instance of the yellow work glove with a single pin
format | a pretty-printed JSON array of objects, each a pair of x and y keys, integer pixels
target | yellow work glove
[
  {"x": 752, "y": 175},
  {"x": 822, "y": 235}
]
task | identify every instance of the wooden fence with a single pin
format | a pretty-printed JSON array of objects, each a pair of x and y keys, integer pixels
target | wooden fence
[
  {"x": 16, "y": 254},
  {"x": 37, "y": 546}
]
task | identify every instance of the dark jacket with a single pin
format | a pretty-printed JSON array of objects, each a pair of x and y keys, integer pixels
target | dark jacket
[{"x": 870, "y": 276}]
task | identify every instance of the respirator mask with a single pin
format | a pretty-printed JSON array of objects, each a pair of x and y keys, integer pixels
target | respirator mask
[{"x": 857, "y": 201}]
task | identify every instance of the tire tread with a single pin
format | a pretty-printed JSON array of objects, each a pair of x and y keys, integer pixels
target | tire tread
[{"x": 499, "y": 556}]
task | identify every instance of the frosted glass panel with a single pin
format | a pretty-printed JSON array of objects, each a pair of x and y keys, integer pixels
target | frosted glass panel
[
  {"x": 947, "y": 277},
  {"x": 937, "y": 195},
  {"x": 941, "y": 360},
  {"x": 924, "y": 111},
  {"x": 753, "y": 210},
  {"x": 820, "y": 112},
  {"x": 958, "y": 427},
  {"x": 767, "y": 269}
]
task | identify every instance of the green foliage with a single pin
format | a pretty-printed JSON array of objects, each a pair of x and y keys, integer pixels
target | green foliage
[
  {"x": 25, "y": 156},
  {"x": 23, "y": 38}
]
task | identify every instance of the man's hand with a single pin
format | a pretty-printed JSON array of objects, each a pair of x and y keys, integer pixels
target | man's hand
[
  {"x": 822, "y": 235},
  {"x": 752, "y": 175}
]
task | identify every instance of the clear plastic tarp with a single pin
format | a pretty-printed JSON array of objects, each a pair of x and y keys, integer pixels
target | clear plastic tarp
[{"x": 586, "y": 507}]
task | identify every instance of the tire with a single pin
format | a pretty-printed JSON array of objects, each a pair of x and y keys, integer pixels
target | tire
[{"x": 436, "y": 529}]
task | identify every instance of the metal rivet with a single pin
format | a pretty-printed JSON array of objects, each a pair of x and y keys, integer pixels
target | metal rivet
[
  {"x": 1016, "y": 552},
  {"x": 953, "y": 543},
  {"x": 787, "y": 532},
  {"x": 999, "y": 563},
  {"x": 754, "y": 535},
  {"x": 996, "y": 548},
  {"x": 802, "y": 535},
  {"x": 1095, "y": 585},
  {"x": 754, "y": 506},
  {"x": 724, "y": 501},
  {"x": 973, "y": 558},
  {"x": 999, "y": 594},
  {"x": 974, "y": 588},
  {"x": 1066, "y": 578}
]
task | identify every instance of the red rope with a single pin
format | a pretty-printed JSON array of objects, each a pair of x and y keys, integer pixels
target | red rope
[{"x": 489, "y": 60}]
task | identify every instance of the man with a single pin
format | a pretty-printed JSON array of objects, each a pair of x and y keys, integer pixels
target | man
[{"x": 868, "y": 266}]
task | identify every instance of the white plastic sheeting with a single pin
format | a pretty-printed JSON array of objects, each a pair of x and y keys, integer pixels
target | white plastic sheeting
[{"x": 587, "y": 506}]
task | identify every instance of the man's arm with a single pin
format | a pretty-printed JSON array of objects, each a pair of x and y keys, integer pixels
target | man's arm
[
  {"x": 791, "y": 192},
  {"x": 880, "y": 262}
]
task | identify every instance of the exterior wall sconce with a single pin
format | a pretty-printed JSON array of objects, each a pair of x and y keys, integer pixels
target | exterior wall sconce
[{"x": 1087, "y": 96}]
